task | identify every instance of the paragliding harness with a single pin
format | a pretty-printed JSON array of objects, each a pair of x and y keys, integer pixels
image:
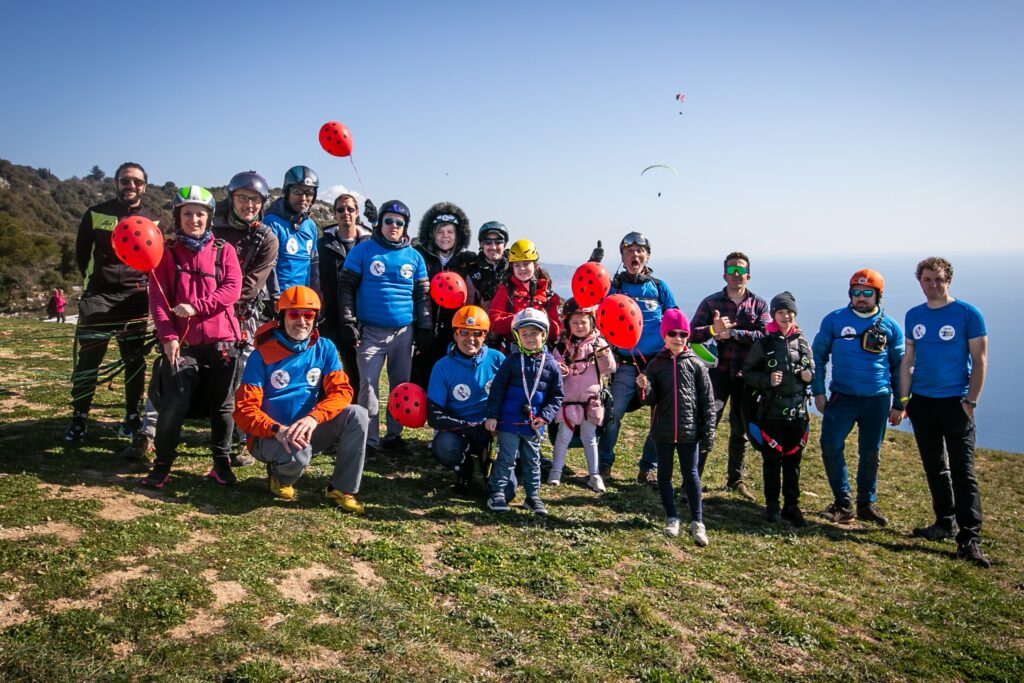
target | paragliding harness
[
  {"x": 252, "y": 309},
  {"x": 604, "y": 396},
  {"x": 873, "y": 339},
  {"x": 756, "y": 403},
  {"x": 503, "y": 344}
]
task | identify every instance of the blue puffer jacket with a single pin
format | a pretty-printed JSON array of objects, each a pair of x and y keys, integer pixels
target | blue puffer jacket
[
  {"x": 856, "y": 372},
  {"x": 297, "y": 257},
  {"x": 508, "y": 394},
  {"x": 653, "y": 297}
]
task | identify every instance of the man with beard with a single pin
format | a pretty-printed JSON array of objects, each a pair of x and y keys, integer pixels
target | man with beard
[{"x": 288, "y": 217}]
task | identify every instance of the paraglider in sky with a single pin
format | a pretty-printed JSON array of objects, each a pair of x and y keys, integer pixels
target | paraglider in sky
[
  {"x": 659, "y": 166},
  {"x": 681, "y": 99}
]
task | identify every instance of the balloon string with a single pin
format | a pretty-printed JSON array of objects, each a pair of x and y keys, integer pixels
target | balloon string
[
  {"x": 153, "y": 278},
  {"x": 358, "y": 177}
]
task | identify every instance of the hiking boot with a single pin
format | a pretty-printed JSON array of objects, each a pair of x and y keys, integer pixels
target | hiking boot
[
  {"x": 77, "y": 428},
  {"x": 221, "y": 472},
  {"x": 838, "y": 514},
  {"x": 596, "y": 484},
  {"x": 935, "y": 532},
  {"x": 971, "y": 551},
  {"x": 139, "y": 449},
  {"x": 496, "y": 503},
  {"x": 699, "y": 534},
  {"x": 672, "y": 527},
  {"x": 536, "y": 505},
  {"x": 870, "y": 512},
  {"x": 771, "y": 514},
  {"x": 157, "y": 477},
  {"x": 131, "y": 426},
  {"x": 647, "y": 478},
  {"x": 242, "y": 457},
  {"x": 606, "y": 472},
  {"x": 742, "y": 491},
  {"x": 346, "y": 502},
  {"x": 282, "y": 491},
  {"x": 794, "y": 515},
  {"x": 397, "y": 446}
]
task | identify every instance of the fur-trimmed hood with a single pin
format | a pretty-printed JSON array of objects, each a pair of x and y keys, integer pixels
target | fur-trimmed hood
[{"x": 463, "y": 233}]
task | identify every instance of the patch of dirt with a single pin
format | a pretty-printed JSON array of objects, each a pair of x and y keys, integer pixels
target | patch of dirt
[
  {"x": 122, "y": 650},
  {"x": 12, "y": 611},
  {"x": 362, "y": 535},
  {"x": 100, "y": 589},
  {"x": 224, "y": 592},
  {"x": 199, "y": 624},
  {"x": 365, "y": 576},
  {"x": 269, "y": 622},
  {"x": 322, "y": 619},
  {"x": 65, "y": 532},
  {"x": 430, "y": 566},
  {"x": 117, "y": 506},
  {"x": 196, "y": 538},
  {"x": 296, "y": 585},
  {"x": 9, "y": 405},
  {"x": 316, "y": 657}
]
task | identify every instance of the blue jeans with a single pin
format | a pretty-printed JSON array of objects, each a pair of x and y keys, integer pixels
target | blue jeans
[
  {"x": 450, "y": 448},
  {"x": 623, "y": 389},
  {"x": 527, "y": 448},
  {"x": 842, "y": 412},
  {"x": 689, "y": 454}
]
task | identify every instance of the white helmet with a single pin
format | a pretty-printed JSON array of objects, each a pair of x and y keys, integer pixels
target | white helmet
[{"x": 530, "y": 316}]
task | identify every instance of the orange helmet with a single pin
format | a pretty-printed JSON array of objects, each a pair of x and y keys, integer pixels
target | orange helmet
[
  {"x": 471, "y": 318},
  {"x": 298, "y": 297},
  {"x": 868, "y": 277}
]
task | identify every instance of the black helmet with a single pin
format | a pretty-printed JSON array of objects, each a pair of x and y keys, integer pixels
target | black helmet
[
  {"x": 393, "y": 206},
  {"x": 249, "y": 180},
  {"x": 301, "y": 175},
  {"x": 492, "y": 226},
  {"x": 570, "y": 307},
  {"x": 637, "y": 238}
]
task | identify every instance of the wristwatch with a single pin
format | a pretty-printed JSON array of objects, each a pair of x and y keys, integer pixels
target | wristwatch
[
  {"x": 275, "y": 428},
  {"x": 969, "y": 402}
]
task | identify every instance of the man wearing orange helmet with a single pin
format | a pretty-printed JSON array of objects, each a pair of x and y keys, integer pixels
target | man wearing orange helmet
[
  {"x": 457, "y": 394},
  {"x": 865, "y": 347}
]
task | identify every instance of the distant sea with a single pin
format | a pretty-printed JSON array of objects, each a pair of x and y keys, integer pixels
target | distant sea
[{"x": 820, "y": 286}]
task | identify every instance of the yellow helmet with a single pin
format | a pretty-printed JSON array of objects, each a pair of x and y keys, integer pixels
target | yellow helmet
[{"x": 523, "y": 250}]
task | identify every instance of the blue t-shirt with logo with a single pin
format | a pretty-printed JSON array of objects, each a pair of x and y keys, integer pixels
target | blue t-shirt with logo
[
  {"x": 942, "y": 360},
  {"x": 291, "y": 385},
  {"x": 460, "y": 385},
  {"x": 384, "y": 296}
]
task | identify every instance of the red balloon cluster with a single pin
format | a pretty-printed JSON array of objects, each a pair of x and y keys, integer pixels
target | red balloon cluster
[
  {"x": 138, "y": 242},
  {"x": 590, "y": 284},
  {"x": 408, "y": 404},
  {"x": 448, "y": 289},
  {"x": 335, "y": 139},
  {"x": 619, "y": 320}
]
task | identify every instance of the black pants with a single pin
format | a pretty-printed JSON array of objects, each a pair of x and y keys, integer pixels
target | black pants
[
  {"x": 945, "y": 439},
  {"x": 781, "y": 469},
  {"x": 730, "y": 391},
  {"x": 206, "y": 387},
  {"x": 92, "y": 337}
]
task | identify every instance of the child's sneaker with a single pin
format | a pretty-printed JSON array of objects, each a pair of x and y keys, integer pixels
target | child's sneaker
[
  {"x": 221, "y": 472},
  {"x": 77, "y": 428},
  {"x": 157, "y": 476},
  {"x": 131, "y": 426},
  {"x": 672, "y": 527},
  {"x": 700, "y": 536},
  {"x": 534, "y": 503},
  {"x": 596, "y": 483},
  {"x": 346, "y": 502},
  {"x": 554, "y": 480},
  {"x": 139, "y": 449},
  {"x": 496, "y": 503}
]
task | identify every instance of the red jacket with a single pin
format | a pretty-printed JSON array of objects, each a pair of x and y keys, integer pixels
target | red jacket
[
  {"x": 504, "y": 307},
  {"x": 187, "y": 277}
]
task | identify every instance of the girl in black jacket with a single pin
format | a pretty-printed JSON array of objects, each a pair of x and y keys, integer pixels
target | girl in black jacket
[
  {"x": 780, "y": 367},
  {"x": 677, "y": 386}
]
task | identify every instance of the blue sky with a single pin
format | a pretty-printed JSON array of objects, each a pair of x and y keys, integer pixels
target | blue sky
[{"x": 810, "y": 128}]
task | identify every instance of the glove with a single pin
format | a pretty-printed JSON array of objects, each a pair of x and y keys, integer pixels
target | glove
[
  {"x": 423, "y": 338},
  {"x": 349, "y": 335},
  {"x": 370, "y": 211},
  {"x": 597, "y": 255}
]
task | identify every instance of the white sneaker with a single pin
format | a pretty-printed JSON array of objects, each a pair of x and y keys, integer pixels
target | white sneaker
[
  {"x": 700, "y": 536},
  {"x": 554, "y": 481},
  {"x": 672, "y": 527},
  {"x": 596, "y": 483}
]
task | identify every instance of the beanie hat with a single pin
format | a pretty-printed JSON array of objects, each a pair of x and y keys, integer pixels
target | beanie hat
[
  {"x": 674, "y": 319},
  {"x": 784, "y": 301}
]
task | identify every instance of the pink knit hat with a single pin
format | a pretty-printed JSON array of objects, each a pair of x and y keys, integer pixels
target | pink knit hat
[{"x": 674, "y": 319}]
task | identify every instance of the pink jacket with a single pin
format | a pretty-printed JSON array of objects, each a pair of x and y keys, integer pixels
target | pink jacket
[
  {"x": 582, "y": 383},
  {"x": 196, "y": 284}
]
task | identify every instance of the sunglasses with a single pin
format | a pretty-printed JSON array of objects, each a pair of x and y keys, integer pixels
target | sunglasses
[
  {"x": 677, "y": 333},
  {"x": 736, "y": 270},
  {"x": 398, "y": 222},
  {"x": 124, "y": 181},
  {"x": 862, "y": 292},
  {"x": 470, "y": 333},
  {"x": 295, "y": 314},
  {"x": 345, "y": 209},
  {"x": 491, "y": 242}
]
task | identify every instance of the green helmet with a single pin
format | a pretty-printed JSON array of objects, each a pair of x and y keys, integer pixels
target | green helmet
[{"x": 193, "y": 194}]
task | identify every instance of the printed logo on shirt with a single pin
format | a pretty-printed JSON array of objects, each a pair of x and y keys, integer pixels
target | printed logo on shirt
[
  {"x": 279, "y": 379},
  {"x": 309, "y": 246},
  {"x": 918, "y": 331},
  {"x": 461, "y": 392},
  {"x": 946, "y": 332},
  {"x": 848, "y": 332},
  {"x": 377, "y": 267},
  {"x": 292, "y": 246},
  {"x": 313, "y": 377},
  {"x": 406, "y": 271},
  {"x": 487, "y": 387},
  {"x": 650, "y": 304}
]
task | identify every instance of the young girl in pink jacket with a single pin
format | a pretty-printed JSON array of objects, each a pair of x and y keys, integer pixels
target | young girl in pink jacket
[{"x": 584, "y": 358}]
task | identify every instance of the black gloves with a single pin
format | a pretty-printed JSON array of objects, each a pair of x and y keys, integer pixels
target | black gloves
[
  {"x": 370, "y": 211},
  {"x": 597, "y": 255},
  {"x": 349, "y": 334}
]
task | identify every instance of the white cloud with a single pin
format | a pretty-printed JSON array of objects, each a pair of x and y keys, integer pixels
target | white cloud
[{"x": 329, "y": 194}]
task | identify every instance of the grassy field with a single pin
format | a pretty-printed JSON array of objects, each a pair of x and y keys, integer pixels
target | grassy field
[{"x": 100, "y": 580}]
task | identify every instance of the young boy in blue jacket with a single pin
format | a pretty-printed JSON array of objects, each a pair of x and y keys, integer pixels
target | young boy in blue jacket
[{"x": 525, "y": 396}]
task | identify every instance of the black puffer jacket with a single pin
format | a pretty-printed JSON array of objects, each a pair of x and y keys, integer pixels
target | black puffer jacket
[
  {"x": 790, "y": 355},
  {"x": 683, "y": 405},
  {"x": 481, "y": 276},
  {"x": 332, "y": 262}
]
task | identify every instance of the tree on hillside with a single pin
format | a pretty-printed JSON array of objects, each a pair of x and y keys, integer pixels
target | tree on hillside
[
  {"x": 23, "y": 257},
  {"x": 96, "y": 173}
]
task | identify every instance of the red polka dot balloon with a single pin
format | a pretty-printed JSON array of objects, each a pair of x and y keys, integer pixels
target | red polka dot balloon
[
  {"x": 448, "y": 289},
  {"x": 138, "y": 242},
  {"x": 590, "y": 284},
  {"x": 619, "y": 320},
  {"x": 335, "y": 139},
  {"x": 408, "y": 405}
]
